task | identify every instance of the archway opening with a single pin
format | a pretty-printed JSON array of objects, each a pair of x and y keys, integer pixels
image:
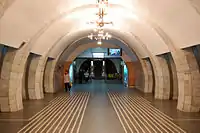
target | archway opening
[{"x": 98, "y": 63}]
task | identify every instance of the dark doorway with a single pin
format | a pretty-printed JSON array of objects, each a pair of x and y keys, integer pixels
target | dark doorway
[
  {"x": 85, "y": 67},
  {"x": 110, "y": 67},
  {"x": 98, "y": 64}
]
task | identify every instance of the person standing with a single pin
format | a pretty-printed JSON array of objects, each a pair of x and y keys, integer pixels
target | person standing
[
  {"x": 67, "y": 81},
  {"x": 86, "y": 76}
]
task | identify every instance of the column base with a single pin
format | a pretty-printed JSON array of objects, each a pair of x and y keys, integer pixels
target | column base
[
  {"x": 162, "y": 97},
  {"x": 188, "y": 108}
]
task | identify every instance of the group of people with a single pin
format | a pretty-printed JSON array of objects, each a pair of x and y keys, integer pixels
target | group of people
[{"x": 83, "y": 76}]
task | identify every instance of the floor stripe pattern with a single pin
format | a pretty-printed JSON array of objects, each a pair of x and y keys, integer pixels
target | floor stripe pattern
[
  {"x": 64, "y": 114},
  {"x": 137, "y": 115}
]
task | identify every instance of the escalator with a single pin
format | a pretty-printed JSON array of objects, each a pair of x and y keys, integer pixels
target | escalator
[{"x": 98, "y": 65}]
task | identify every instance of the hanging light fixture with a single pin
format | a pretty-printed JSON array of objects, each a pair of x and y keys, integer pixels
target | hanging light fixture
[
  {"x": 102, "y": 6},
  {"x": 99, "y": 33}
]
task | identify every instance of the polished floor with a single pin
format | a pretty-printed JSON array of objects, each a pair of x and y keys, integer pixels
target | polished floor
[{"x": 99, "y": 107}]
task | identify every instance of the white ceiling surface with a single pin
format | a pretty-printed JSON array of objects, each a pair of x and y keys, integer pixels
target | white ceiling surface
[
  {"x": 43, "y": 22},
  {"x": 85, "y": 47},
  {"x": 68, "y": 39}
]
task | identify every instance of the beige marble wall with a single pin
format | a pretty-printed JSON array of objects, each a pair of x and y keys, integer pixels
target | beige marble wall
[
  {"x": 161, "y": 75},
  {"x": 145, "y": 79},
  {"x": 147, "y": 65},
  {"x": 31, "y": 78},
  {"x": 12, "y": 80},
  {"x": 53, "y": 76},
  {"x": 174, "y": 78},
  {"x": 25, "y": 94},
  {"x": 35, "y": 77},
  {"x": 188, "y": 80},
  {"x": 39, "y": 76},
  {"x": 47, "y": 80},
  {"x": 56, "y": 74},
  {"x": 164, "y": 92},
  {"x": 4, "y": 81}
]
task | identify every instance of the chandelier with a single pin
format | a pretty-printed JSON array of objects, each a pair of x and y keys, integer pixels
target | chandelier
[{"x": 99, "y": 33}]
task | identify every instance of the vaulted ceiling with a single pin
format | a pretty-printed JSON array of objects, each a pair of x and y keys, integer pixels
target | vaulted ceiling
[{"x": 148, "y": 27}]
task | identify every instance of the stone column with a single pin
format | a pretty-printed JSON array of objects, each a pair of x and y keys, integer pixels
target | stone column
[
  {"x": 35, "y": 77},
  {"x": 4, "y": 81},
  {"x": 161, "y": 75},
  {"x": 53, "y": 71},
  {"x": 39, "y": 76},
  {"x": 33, "y": 93},
  {"x": 188, "y": 80},
  {"x": 47, "y": 80},
  {"x": 150, "y": 79},
  {"x": 174, "y": 78},
  {"x": 54, "y": 76},
  {"x": 12, "y": 79},
  {"x": 163, "y": 78},
  {"x": 25, "y": 94}
]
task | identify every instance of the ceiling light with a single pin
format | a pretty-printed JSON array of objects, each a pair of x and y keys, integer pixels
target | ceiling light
[{"x": 99, "y": 42}]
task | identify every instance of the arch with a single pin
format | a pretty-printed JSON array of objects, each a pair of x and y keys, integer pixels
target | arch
[
  {"x": 71, "y": 48},
  {"x": 160, "y": 81}
]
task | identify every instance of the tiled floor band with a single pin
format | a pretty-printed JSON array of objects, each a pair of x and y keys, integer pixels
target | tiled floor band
[
  {"x": 63, "y": 115},
  {"x": 139, "y": 116}
]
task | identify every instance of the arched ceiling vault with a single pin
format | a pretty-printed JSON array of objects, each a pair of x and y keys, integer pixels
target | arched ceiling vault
[
  {"x": 50, "y": 24},
  {"x": 86, "y": 46},
  {"x": 84, "y": 42},
  {"x": 72, "y": 39}
]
